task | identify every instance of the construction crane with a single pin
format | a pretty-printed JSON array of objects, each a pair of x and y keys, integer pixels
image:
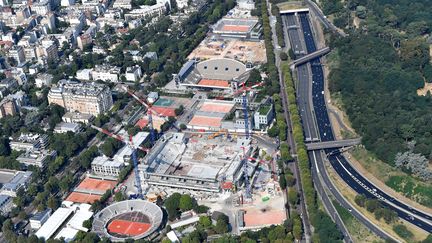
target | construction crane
[
  {"x": 150, "y": 113},
  {"x": 242, "y": 89},
  {"x": 218, "y": 133},
  {"x": 134, "y": 148}
]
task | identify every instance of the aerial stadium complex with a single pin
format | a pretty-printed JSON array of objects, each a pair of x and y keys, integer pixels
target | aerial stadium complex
[
  {"x": 195, "y": 163},
  {"x": 130, "y": 219},
  {"x": 221, "y": 74},
  {"x": 247, "y": 29}
]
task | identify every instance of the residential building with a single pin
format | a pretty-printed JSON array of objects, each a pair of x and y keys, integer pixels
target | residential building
[
  {"x": 8, "y": 108},
  {"x": 105, "y": 166},
  {"x": 29, "y": 141},
  {"x": 263, "y": 116},
  {"x": 64, "y": 127},
  {"x": 17, "y": 53},
  {"x": 84, "y": 40},
  {"x": 147, "y": 11},
  {"x": 41, "y": 8},
  {"x": 136, "y": 55},
  {"x": 133, "y": 73},
  {"x": 106, "y": 73},
  {"x": 152, "y": 97},
  {"x": 151, "y": 55},
  {"x": 40, "y": 218},
  {"x": 75, "y": 117},
  {"x": 20, "y": 180},
  {"x": 38, "y": 158},
  {"x": 6, "y": 204},
  {"x": 84, "y": 74},
  {"x": 124, "y": 4},
  {"x": 49, "y": 51},
  {"x": 90, "y": 98},
  {"x": 9, "y": 83},
  {"x": 67, "y": 3},
  {"x": 43, "y": 79}
]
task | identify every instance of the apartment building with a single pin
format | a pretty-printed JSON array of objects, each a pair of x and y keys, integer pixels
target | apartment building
[
  {"x": 38, "y": 158},
  {"x": 29, "y": 141},
  {"x": 89, "y": 98},
  {"x": 106, "y": 73},
  {"x": 105, "y": 166}
]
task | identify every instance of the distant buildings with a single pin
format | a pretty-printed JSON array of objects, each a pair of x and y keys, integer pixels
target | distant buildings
[
  {"x": 89, "y": 98},
  {"x": 64, "y": 127},
  {"x": 29, "y": 141},
  {"x": 20, "y": 180},
  {"x": 133, "y": 73},
  {"x": 38, "y": 158},
  {"x": 105, "y": 166},
  {"x": 6, "y": 204},
  {"x": 75, "y": 117},
  {"x": 263, "y": 116},
  {"x": 40, "y": 218},
  {"x": 43, "y": 79},
  {"x": 106, "y": 73}
]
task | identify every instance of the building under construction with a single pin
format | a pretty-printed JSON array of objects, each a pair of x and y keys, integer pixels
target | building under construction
[{"x": 200, "y": 163}]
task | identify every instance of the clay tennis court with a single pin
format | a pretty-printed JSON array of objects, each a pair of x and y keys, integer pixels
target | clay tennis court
[
  {"x": 264, "y": 218},
  {"x": 79, "y": 197},
  {"x": 157, "y": 122},
  {"x": 214, "y": 83},
  {"x": 206, "y": 121},
  {"x": 96, "y": 184},
  {"x": 213, "y": 107},
  {"x": 125, "y": 227},
  {"x": 164, "y": 111},
  {"x": 236, "y": 28}
]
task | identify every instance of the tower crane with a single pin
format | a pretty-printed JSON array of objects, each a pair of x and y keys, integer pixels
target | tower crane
[
  {"x": 130, "y": 144},
  {"x": 150, "y": 113}
]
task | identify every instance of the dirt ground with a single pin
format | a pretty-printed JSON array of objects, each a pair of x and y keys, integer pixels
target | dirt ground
[
  {"x": 244, "y": 51},
  {"x": 423, "y": 91}
]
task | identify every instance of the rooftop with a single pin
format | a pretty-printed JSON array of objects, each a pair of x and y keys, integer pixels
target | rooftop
[{"x": 19, "y": 179}]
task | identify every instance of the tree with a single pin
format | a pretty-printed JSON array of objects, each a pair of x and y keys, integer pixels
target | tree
[
  {"x": 172, "y": 204},
  {"x": 178, "y": 111},
  {"x": 119, "y": 196},
  {"x": 402, "y": 231},
  {"x": 292, "y": 196},
  {"x": 53, "y": 203},
  {"x": 186, "y": 202},
  {"x": 360, "y": 200},
  {"x": 372, "y": 205},
  {"x": 273, "y": 131},
  {"x": 283, "y": 56},
  {"x": 205, "y": 221},
  {"x": 5, "y": 149},
  {"x": 222, "y": 224}
]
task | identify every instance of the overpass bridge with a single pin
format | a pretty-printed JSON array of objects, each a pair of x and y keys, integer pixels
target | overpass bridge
[
  {"x": 333, "y": 144},
  {"x": 310, "y": 56}
]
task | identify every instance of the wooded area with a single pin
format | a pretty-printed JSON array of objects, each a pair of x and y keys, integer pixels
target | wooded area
[{"x": 380, "y": 66}]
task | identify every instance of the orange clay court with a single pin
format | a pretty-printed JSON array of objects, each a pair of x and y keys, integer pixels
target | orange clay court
[
  {"x": 79, "y": 197},
  {"x": 236, "y": 28},
  {"x": 205, "y": 121},
  {"x": 164, "y": 111},
  {"x": 96, "y": 185},
  {"x": 214, "y": 83},
  {"x": 125, "y": 227},
  {"x": 212, "y": 107},
  {"x": 267, "y": 218}
]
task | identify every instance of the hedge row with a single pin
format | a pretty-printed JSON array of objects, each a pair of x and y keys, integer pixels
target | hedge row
[{"x": 325, "y": 229}]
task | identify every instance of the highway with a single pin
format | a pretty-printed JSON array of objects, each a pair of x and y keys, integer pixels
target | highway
[
  {"x": 329, "y": 25},
  {"x": 304, "y": 96},
  {"x": 303, "y": 73},
  {"x": 339, "y": 162}
]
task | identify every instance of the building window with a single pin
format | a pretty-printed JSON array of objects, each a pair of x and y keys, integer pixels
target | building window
[
  {"x": 237, "y": 69},
  {"x": 205, "y": 67},
  {"x": 215, "y": 68},
  {"x": 226, "y": 69}
]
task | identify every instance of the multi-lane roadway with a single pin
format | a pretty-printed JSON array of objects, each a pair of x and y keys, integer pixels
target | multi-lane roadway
[{"x": 338, "y": 161}]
